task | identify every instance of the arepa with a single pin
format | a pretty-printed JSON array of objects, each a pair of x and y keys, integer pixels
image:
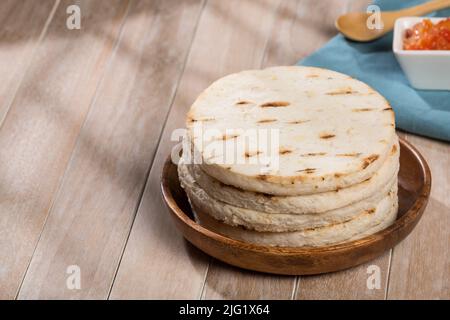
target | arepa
[
  {"x": 364, "y": 225},
  {"x": 276, "y": 222},
  {"x": 333, "y": 131},
  {"x": 310, "y": 203}
]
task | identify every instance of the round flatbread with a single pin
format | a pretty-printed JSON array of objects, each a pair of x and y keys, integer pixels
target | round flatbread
[
  {"x": 310, "y": 204},
  {"x": 275, "y": 222},
  {"x": 364, "y": 225},
  {"x": 290, "y": 130}
]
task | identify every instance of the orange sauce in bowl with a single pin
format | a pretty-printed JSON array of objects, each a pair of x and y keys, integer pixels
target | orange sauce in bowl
[{"x": 428, "y": 36}]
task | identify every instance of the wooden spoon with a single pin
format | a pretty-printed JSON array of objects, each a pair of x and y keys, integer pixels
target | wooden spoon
[{"x": 354, "y": 25}]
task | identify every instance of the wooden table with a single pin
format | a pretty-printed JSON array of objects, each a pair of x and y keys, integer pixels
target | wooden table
[{"x": 86, "y": 121}]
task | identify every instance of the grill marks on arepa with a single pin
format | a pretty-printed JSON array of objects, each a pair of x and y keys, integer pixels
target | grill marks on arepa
[
  {"x": 228, "y": 136},
  {"x": 363, "y": 109},
  {"x": 393, "y": 149},
  {"x": 326, "y": 135},
  {"x": 190, "y": 119},
  {"x": 308, "y": 170},
  {"x": 275, "y": 104},
  {"x": 351, "y": 154},
  {"x": 249, "y": 154},
  {"x": 243, "y": 103},
  {"x": 266, "y": 121},
  {"x": 298, "y": 121},
  {"x": 313, "y": 154},
  {"x": 284, "y": 151},
  {"x": 368, "y": 160},
  {"x": 341, "y": 91}
]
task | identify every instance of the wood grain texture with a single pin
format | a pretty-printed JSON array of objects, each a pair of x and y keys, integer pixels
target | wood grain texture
[
  {"x": 300, "y": 28},
  {"x": 49, "y": 80},
  {"x": 238, "y": 30},
  {"x": 39, "y": 131},
  {"x": 22, "y": 25},
  {"x": 91, "y": 218},
  {"x": 420, "y": 266},
  {"x": 228, "y": 282},
  {"x": 347, "y": 284}
]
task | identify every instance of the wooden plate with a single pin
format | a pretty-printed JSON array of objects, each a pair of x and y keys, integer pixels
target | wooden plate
[{"x": 414, "y": 190}]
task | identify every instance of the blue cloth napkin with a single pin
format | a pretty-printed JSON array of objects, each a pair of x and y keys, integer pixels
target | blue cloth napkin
[{"x": 418, "y": 111}]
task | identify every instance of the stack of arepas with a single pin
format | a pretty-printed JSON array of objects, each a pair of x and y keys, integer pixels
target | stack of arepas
[{"x": 321, "y": 170}]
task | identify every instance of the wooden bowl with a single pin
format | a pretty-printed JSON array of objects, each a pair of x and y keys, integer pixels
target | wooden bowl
[{"x": 414, "y": 190}]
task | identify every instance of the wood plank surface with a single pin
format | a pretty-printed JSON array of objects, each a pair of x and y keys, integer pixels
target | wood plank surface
[
  {"x": 231, "y": 36},
  {"x": 91, "y": 218},
  {"x": 40, "y": 129},
  {"x": 22, "y": 26},
  {"x": 347, "y": 284},
  {"x": 87, "y": 118},
  {"x": 228, "y": 282},
  {"x": 301, "y": 27},
  {"x": 420, "y": 266}
]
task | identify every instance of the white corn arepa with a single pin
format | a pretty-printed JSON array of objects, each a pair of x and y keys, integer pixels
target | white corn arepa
[
  {"x": 327, "y": 175},
  {"x": 364, "y": 225},
  {"x": 303, "y": 204},
  {"x": 277, "y": 222},
  {"x": 334, "y": 131}
]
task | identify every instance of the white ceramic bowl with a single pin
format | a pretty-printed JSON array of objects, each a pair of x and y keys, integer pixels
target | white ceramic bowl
[{"x": 425, "y": 69}]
